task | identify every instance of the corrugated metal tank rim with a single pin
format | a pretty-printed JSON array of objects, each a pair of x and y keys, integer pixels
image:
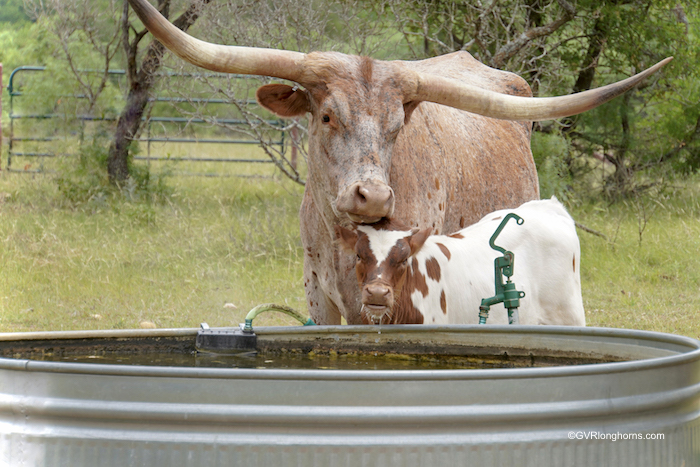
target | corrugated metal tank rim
[
  {"x": 678, "y": 350},
  {"x": 81, "y": 414}
]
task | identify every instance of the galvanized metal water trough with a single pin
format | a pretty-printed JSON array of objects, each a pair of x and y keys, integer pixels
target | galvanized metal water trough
[{"x": 639, "y": 407}]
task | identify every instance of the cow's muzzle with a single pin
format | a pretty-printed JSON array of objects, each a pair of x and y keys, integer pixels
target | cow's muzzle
[
  {"x": 377, "y": 302},
  {"x": 366, "y": 202}
]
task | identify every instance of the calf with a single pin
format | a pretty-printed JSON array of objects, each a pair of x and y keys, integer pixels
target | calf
[{"x": 411, "y": 277}]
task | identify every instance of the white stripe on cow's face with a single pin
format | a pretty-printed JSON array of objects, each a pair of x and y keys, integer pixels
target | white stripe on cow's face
[{"x": 382, "y": 244}]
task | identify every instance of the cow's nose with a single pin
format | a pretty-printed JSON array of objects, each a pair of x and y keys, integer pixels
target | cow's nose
[
  {"x": 377, "y": 294},
  {"x": 367, "y": 202}
]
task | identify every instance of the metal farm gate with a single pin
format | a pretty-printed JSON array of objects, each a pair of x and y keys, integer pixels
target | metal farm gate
[{"x": 187, "y": 145}]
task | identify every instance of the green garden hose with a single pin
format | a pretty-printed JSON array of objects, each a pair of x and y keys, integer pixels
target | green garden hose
[{"x": 272, "y": 307}]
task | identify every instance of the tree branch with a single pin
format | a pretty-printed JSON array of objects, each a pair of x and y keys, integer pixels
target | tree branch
[
  {"x": 506, "y": 52},
  {"x": 694, "y": 135}
]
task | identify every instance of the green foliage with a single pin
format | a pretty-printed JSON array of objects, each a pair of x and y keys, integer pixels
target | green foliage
[
  {"x": 647, "y": 135},
  {"x": 551, "y": 152},
  {"x": 12, "y": 13},
  {"x": 25, "y": 44},
  {"x": 83, "y": 181}
]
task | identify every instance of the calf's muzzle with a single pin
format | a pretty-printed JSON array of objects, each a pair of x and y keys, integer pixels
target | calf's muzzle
[{"x": 377, "y": 301}]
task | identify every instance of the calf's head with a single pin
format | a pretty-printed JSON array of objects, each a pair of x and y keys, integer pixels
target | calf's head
[{"x": 383, "y": 251}]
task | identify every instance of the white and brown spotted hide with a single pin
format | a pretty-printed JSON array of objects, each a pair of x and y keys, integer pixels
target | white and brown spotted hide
[{"x": 407, "y": 276}]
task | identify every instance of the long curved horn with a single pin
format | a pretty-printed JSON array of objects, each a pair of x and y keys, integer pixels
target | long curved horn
[
  {"x": 228, "y": 59},
  {"x": 480, "y": 101}
]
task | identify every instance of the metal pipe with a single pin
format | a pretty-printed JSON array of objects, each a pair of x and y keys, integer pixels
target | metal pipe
[{"x": 503, "y": 266}]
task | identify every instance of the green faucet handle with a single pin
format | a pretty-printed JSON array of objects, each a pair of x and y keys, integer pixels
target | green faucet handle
[{"x": 505, "y": 220}]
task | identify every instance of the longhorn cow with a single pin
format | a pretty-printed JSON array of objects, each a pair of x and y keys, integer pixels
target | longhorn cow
[{"x": 441, "y": 142}]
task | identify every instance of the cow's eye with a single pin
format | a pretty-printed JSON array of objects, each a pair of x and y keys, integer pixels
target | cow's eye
[
  {"x": 326, "y": 119},
  {"x": 357, "y": 257}
]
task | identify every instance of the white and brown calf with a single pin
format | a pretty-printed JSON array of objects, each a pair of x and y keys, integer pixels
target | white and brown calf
[{"x": 411, "y": 277}]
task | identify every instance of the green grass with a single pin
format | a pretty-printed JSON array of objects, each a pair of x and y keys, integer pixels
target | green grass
[
  {"x": 214, "y": 244},
  {"x": 218, "y": 243},
  {"x": 653, "y": 284}
]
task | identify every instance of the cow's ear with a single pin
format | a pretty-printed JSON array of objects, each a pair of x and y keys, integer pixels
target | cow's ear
[
  {"x": 283, "y": 100},
  {"x": 417, "y": 240},
  {"x": 346, "y": 237},
  {"x": 408, "y": 109}
]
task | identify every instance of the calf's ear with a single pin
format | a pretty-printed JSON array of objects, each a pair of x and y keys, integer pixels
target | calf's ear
[
  {"x": 346, "y": 237},
  {"x": 283, "y": 100},
  {"x": 416, "y": 240}
]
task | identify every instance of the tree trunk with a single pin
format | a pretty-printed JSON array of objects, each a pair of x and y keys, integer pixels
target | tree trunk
[
  {"x": 128, "y": 125},
  {"x": 141, "y": 82},
  {"x": 619, "y": 185},
  {"x": 584, "y": 81},
  {"x": 595, "y": 48}
]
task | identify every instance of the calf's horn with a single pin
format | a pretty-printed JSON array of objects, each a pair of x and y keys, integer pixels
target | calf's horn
[
  {"x": 453, "y": 93},
  {"x": 228, "y": 59}
]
